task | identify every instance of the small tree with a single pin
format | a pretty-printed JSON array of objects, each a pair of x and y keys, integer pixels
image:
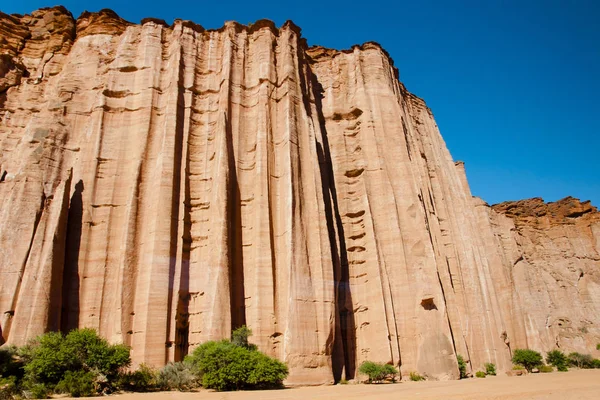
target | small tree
[
  {"x": 226, "y": 366},
  {"x": 529, "y": 359},
  {"x": 266, "y": 372},
  {"x": 490, "y": 369},
  {"x": 76, "y": 364},
  {"x": 93, "y": 352},
  {"x": 580, "y": 360},
  {"x": 377, "y": 372},
  {"x": 558, "y": 359},
  {"x": 462, "y": 366},
  {"x": 239, "y": 337}
]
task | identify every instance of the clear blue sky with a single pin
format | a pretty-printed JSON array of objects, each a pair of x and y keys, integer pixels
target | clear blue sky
[{"x": 514, "y": 85}]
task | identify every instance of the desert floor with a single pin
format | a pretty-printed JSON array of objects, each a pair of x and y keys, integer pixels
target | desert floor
[{"x": 578, "y": 384}]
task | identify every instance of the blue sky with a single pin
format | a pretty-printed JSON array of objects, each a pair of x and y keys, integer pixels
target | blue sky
[{"x": 514, "y": 85}]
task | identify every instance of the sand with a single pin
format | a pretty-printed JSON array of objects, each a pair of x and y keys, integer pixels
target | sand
[{"x": 577, "y": 384}]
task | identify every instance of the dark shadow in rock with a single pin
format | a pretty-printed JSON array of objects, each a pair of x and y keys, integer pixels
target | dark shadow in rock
[
  {"x": 236, "y": 259},
  {"x": 344, "y": 346},
  {"x": 70, "y": 295}
]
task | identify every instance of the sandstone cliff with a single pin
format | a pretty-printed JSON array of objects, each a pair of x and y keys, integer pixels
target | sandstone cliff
[{"x": 165, "y": 184}]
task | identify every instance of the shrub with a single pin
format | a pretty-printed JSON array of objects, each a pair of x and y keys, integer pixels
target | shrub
[
  {"x": 596, "y": 363},
  {"x": 490, "y": 369},
  {"x": 266, "y": 372},
  {"x": 226, "y": 366},
  {"x": 78, "y": 364},
  {"x": 77, "y": 384},
  {"x": 50, "y": 356},
  {"x": 462, "y": 366},
  {"x": 518, "y": 367},
  {"x": 580, "y": 360},
  {"x": 558, "y": 359},
  {"x": 33, "y": 390},
  {"x": 239, "y": 337},
  {"x": 94, "y": 353},
  {"x": 343, "y": 381},
  {"x": 546, "y": 369},
  {"x": 562, "y": 368},
  {"x": 415, "y": 377},
  {"x": 529, "y": 359},
  {"x": 8, "y": 388},
  {"x": 377, "y": 372},
  {"x": 143, "y": 379},
  {"x": 598, "y": 346},
  {"x": 48, "y": 360},
  {"x": 177, "y": 376},
  {"x": 480, "y": 374}
]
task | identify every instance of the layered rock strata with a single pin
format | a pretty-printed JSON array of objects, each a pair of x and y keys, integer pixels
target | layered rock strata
[{"x": 167, "y": 184}]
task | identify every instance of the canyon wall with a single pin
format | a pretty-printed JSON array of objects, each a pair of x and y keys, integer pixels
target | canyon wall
[{"x": 167, "y": 184}]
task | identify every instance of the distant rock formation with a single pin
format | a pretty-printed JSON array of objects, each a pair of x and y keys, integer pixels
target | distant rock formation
[{"x": 166, "y": 184}]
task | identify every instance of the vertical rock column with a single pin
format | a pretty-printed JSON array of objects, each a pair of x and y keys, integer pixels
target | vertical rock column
[{"x": 398, "y": 307}]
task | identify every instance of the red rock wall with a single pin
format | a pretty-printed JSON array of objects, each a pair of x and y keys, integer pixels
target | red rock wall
[{"x": 165, "y": 185}]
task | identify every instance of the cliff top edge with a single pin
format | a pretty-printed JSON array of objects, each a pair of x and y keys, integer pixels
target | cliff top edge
[{"x": 107, "y": 21}]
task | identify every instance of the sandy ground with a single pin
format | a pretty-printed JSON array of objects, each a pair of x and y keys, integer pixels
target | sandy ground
[{"x": 579, "y": 384}]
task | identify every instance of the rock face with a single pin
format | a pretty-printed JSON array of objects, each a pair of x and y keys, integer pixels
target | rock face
[{"x": 166, "y": 184}]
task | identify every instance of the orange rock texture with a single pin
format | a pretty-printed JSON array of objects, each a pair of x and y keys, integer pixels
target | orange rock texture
[{"x": 167, "y": 184}]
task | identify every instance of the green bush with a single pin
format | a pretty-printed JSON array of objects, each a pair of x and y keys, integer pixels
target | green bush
[
  {"x": 377, "y": 372},
  {"x": 8, "y": 388},
  {"x": 558, "y": 359},
  {"x": 177, "y": 376},
  {"x": 580, "y": 360},
  {"x": 598, "y": 346},
  {"x": 480, "y": 374},
  {"x": 546, "y": 368},
  {"x": 596, "y": 363},
  {"x": 266, "y": 372},
  {"x": 48, "y": 359},
  {"x": 77, "y": 384},
  {"x": 490, "y": 369},
  {"x": 51, "y": 355},
  {"x": 80, "y": 363},
  {"x": 226, "y": 366},
  {"x": 95, "y": 353},
  {"x": 239, "y": 337},
  {"x": 415, "y": 377},
  {"x": 143, "y": 379},
  {"x": 529, "y": 359},
  {"x": 518, "y": 367},
  {"x": 462, "y": 366},
  {"x": 33, "y": 390}
]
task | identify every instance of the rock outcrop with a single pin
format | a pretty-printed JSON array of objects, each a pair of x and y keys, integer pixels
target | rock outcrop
[{"x": 166, "y": 184}]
